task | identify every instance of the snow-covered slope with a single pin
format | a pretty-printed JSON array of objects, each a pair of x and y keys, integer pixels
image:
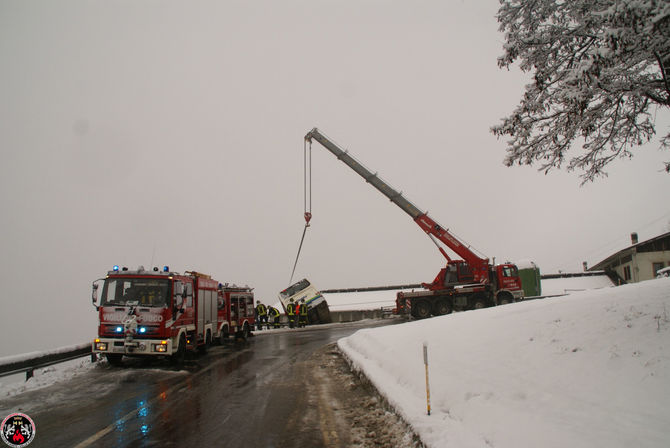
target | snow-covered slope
[{"x": 585, "y": 370}]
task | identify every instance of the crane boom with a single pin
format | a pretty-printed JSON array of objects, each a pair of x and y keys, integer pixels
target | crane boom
[
  {"x": 427, "y": 224},
  {"x": 395, "y": 196}
]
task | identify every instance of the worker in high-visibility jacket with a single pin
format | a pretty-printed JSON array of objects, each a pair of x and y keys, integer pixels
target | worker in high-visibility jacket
[
  {"x": 261, "y": 315},
  {"x": 302, "y": 316},
  {"x": 290, "y": 313},
  {"x": 273, "y": 314}
]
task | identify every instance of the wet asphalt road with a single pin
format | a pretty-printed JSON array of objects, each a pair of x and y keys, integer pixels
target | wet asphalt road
[{"x": 244, "y": 394}]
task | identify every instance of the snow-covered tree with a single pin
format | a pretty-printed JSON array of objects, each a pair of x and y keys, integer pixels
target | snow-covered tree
[{"x": 601, "y": 70}]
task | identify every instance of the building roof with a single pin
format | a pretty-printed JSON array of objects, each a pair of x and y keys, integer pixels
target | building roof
[{"x": 658, "y": 243}]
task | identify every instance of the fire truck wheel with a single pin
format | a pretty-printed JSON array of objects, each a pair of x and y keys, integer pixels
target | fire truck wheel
[
  {"x": 208, "y": 342},
  {"x": 114, "y": 359},
  {"x": 442, "y": 307},
  {"x": 244, "y": 334},
  {"x": 223, "y": 337},
  {"x": 180, "y": 354},
  {"x": 421, "y": 309}
]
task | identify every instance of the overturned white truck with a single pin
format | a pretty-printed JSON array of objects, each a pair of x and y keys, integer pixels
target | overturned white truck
[{"x": 304, "y": 293}]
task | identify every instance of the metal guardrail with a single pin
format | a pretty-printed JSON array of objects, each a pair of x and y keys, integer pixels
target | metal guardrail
[{"x": 28, "y": 364}]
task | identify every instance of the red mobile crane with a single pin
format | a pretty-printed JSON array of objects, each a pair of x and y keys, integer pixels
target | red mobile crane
[{"x": 466, "y": 283}]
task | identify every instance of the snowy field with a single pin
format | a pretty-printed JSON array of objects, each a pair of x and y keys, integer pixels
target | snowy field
[
  {"x": 558, "y": 286},
  {"x": 589, "y": 369}
]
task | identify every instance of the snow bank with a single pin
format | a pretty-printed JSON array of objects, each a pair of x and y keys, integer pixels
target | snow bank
[
  {"x": 28, "y": 356},
  {"x": 556, "y": 286},
  {"x": 584, "y": 370},
  {"x": 46, "y": 376}
]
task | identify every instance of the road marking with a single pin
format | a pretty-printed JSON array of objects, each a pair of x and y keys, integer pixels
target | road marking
[{"x": 100, "y": 434}]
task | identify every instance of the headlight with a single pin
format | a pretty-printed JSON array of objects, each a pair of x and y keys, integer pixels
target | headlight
[
  {"x": 161, "y": 348},
  {"x": 100, "y": 346}
]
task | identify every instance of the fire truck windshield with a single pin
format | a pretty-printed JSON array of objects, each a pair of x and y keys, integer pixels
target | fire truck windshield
[{"x": 135, "y": 291}]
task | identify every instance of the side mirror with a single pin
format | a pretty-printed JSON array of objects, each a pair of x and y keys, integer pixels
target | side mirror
[
  {"x": 94, "y": 294},
  {"x": 178, "y": 297}
]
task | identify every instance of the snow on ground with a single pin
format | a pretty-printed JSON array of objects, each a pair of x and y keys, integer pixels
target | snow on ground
[
  {"x": 557, "y": 286},
  {"x": 584, "y": 370},
  {"x": 16, "y": 384}
]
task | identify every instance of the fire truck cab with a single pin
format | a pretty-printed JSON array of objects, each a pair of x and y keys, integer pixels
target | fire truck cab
[{"x": 154, "y": 313}]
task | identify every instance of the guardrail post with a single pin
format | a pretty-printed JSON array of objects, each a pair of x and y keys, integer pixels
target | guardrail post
[{"x": 29, "y": 373}]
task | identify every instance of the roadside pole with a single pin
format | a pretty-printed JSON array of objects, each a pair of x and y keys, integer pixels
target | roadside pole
[{"x": 425, "y": 363}]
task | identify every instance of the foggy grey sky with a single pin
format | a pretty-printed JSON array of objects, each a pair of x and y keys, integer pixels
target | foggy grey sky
[{"x": 163, "y": 132}]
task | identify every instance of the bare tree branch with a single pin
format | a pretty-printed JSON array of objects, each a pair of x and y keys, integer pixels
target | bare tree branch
[{"x": 598, "y": 68}]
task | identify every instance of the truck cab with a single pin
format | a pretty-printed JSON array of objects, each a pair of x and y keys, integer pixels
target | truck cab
[
  {"x": 507, "y": 284},
  {"x": 153, "y": 313}
]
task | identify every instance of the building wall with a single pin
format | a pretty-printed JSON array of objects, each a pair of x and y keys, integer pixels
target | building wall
[
  {"x": 640, "y": 266},
  {"x": 620, "y": 269},
  {"x": 645, "y": 262},
  {"x": 640, "y": 261}
]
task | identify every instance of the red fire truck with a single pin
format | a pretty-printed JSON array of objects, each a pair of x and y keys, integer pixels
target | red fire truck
[
  {"x": 235, "y": 312},
  {"x": 155, "y": 313}
]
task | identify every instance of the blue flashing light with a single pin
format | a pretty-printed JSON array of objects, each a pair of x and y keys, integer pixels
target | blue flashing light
[
  {"x": 119, "y": 329},
  {"x": 166, "y": 268},
  {"x": 116, "y": 268},
  {"x": 143, "y": 329}
]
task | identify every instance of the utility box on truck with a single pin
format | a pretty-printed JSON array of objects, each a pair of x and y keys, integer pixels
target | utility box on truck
[{"x": 530, "y": 276}]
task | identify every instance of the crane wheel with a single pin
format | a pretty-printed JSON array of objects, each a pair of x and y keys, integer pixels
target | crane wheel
[
  {"x": 442, "y": 307},
  {"x": 421, "y": 309},
  {"x": 505, "y": 298}
]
